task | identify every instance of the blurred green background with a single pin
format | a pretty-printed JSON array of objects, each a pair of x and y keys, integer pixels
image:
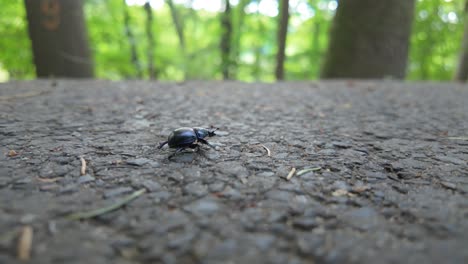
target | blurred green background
[{"x": 435, "y": 43}]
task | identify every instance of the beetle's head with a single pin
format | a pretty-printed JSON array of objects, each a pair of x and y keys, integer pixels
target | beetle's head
[{"x": 203, "y": 132}]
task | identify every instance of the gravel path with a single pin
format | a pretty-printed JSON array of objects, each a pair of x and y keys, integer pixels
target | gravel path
[{"x": 389, "y": 185}]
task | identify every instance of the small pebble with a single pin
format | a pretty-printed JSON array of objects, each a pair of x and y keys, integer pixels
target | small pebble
[
  {"x": 117, "y": 191},
  {"x": 85, "y": 178}
]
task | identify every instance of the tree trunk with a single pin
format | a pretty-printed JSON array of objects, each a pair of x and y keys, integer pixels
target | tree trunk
[
  {"x": 225, "y": 45},
  {"x": 153, "y": 74},
  {"x": 282, "y": 34},
  {"x": 131, "y": 39},
  {"x": 461, "y": 73},
  {"x": 369, "y": 39},
  {"x": 239, "y": 15},
  {"x": 180, "y": 33},
  {"x": 59, "y": 38}
]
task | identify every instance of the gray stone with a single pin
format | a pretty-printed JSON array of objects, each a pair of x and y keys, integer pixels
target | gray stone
[
  {"x": 180, "y": 240},
  {"x": 117, "y": 191},
  {"x": 263, "y": 241},
  {"x": 216, "y": 187},
  {"x": 305, "y": 223},
  {"x": 196, "y": 189},
  {"x": 205, "y": 206},
  {"x": 85, "y": 179},
  {"x": 280, "y": 195},
  {"x": 151, "y": 186},
  {"x": 52, "y": 170},
  {"x": 364, "y": 218}
]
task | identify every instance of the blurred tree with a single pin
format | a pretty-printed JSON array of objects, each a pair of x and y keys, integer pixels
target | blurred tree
[
  {"x": 433, "y": 54},
  {"x": 180, "y": 32},
  {"x": 283, "y": 18},
  {"x": 461, "y": 73},
  {"x": 238, "y": 21},
  {"x": 131, "y": 39},
  {"x": 225, "y": 44},
  {"x": 152, "y": 72},
  {"x": 369, "y": 39},
  {"x": 59, "y": 38}
]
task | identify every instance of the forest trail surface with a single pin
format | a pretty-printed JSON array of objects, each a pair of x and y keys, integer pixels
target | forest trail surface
[{"x": 381, "y": 173}]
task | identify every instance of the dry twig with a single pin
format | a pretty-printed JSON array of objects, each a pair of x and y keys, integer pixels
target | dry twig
[
  {"x": 25, "y": 243},
  {"x": 291, "y": 174},
  {"x": 267, "y": 149},
  {"x": 83, "y": 166}
]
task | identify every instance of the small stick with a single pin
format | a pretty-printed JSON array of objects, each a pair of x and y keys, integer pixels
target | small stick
[
  {"x": 291, "y": 174},
  {"x": 83, "y": 166},
  {"x": 25, "y": 243},
  {"x": 268, "y": 150},
  {"x": 104, "y": 210}
]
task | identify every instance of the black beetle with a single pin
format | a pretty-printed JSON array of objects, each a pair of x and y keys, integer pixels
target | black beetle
[{"x": 186, "y": 137}]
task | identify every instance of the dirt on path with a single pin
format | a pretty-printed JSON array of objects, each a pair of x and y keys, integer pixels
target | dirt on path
[{"x": 381, "y": 172}]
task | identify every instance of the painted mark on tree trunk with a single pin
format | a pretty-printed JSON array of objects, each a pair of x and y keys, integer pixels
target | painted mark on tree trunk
[{"x": 51, "y": 14}]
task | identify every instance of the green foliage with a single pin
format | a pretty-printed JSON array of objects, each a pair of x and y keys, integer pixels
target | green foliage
[
  {"x": 435, "y": 43},
  {"x": 15, "y": 49},
  {"x": 436, "y": 39}
]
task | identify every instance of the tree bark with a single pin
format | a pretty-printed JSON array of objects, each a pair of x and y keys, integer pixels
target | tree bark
[
  {"x": 225, "y": 44},
  {"x": 59, "y": 38},
  {"x": 461, "y": 73},
  {"x": 369, "y": 39},
  {"x": 282, "y": 35},
  {"x": 152, "y": 72}
]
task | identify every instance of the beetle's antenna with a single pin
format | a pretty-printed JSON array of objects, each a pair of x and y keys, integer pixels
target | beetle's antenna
[{"x": 212, "y": 133}]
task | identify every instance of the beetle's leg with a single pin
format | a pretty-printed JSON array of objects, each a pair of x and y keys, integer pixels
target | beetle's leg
[
  {"x": 206, "y": 143},
  {"x": 176, "y": 152},
  {"x": 196, "y": 147},
  {"x": 162, "y": 144}
]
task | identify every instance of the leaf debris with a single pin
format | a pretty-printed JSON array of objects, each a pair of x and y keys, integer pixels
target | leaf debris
[
  {"x": 12, "y": 153},
  {"x": 107, "y": 209}
]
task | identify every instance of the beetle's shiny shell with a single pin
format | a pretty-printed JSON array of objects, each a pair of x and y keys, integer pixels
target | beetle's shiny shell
[{"x": 182, "y": 137}]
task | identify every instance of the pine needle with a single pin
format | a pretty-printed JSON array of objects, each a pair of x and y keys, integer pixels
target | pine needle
[
  {"x": 105, "y": 210},
  {"x": 304, "y": 171},
  {"x": 458, "y": 138}
]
